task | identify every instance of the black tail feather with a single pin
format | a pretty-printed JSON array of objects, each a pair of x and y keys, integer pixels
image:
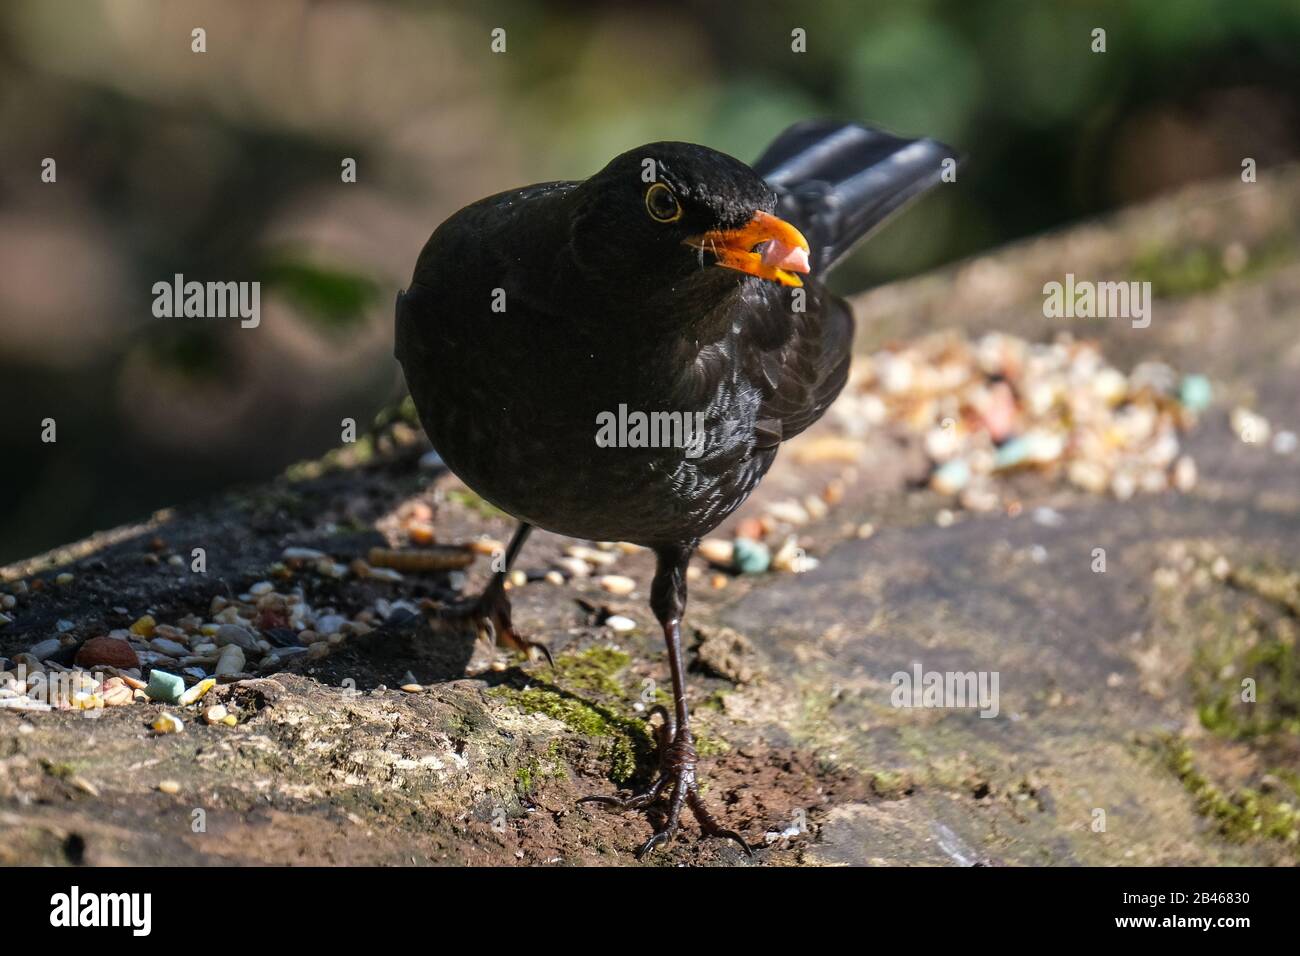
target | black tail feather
[{"x": 838, "y": 181}]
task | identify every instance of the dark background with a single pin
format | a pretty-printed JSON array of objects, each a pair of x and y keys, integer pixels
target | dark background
[{"x": 225, "y": 166}]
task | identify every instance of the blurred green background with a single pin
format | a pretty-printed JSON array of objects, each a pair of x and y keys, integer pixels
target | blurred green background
[{"x": 226, "y": 166}]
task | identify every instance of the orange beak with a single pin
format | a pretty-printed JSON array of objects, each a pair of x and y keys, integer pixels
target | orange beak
[{"x": 784, "y": 252}]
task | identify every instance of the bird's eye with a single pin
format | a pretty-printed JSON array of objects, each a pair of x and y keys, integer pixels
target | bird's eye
[{"x": 662, "y": 204}]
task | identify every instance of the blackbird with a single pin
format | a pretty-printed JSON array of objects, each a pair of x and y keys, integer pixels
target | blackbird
[{"x": 669, "y": 284}]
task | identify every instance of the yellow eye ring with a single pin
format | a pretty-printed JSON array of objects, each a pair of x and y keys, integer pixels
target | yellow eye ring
[{"x": 661, "y": 204}]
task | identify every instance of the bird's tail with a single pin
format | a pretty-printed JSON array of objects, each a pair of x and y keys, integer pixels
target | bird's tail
[{"x": 837, "y": 181}]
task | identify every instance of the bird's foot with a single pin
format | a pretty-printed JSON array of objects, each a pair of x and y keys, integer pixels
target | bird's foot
[
  {"x": 490, "y": 615},
  {"x": 677, "y": 782}
]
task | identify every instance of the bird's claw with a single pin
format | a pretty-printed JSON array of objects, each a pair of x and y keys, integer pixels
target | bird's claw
[
  {"x": 490, "y": 615},
  {"x": 677, "y": 759},
  {"x": 635, "y": 802}
]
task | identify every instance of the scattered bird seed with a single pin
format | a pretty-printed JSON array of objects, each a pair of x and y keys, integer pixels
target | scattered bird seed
[
  {"x": 1000, "y": 403},
  {"x": 618, "y": 584},
  {"x": 1048, "y": 517},
  {"x": 24, "y": 703},
  {"x": 717, "y": 551},
  {"x": 170, "y": 648},
  {"x": 45, "y": 648},
  {"x": 231, "y": 661},
  {"x": 167, "y": 723},
  {"x": 751, "y": 557},
  {"x": 573, "y": 567},
  {"x": 165, "y": 687},
  {"x": 143, "y": 626},
  {"x": 790, "y": 512},
  {"x": 443, "y": 557},
  {"x": 197, "y": 691},
  {"x": 1251, "y": 427},
  {"x": 84, "y": 785},
  {"x": 303, "y": 555},
  {"x": 591, "y": 555}
]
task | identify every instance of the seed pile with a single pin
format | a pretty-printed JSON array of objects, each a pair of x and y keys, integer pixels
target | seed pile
[
  {"x": 255, "y": 632},
  {"x": 1000, "y": 404},
  {"x": 177, "y": 663},
  {"x": 988, "y": 408}
]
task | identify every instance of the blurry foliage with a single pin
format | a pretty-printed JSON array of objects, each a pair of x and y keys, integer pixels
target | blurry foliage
[
  {"x": 1192, "y": 270},
  {"x": 334, "y": 298},
  {"x": 206, "y": 165},
  {"x": 192, "y": 352},
  {"x": 1010, "y": 84}
]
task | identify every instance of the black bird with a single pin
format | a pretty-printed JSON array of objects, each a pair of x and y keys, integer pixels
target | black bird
[{"x": 668, "y": 282}]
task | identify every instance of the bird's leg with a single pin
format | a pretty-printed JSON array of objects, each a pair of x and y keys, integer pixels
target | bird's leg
[
  {"x": 490, "y": 611},
  {"x": 677, "y": 756}
]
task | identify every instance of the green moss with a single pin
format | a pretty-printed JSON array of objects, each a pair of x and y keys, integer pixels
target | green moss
[
  {"x": 1288, "y": 776},
  {"x": 468, "y": 499},
  {"x": 593, "y": 670},
  {"x": 351, "y": 455},
  {"x": 393, "y": 426},
  {"x": 549, "y": 766},
  {"x": 61, "y": 770},
  {"x": 555, "y": 755},
  {"x": 1254, "y": 644},
  {"x": 715, "y": 701},
  {"x": 889, "y": 785},
  {"x": 573, "y": 712},
  {"x": 403, "y": 411},
  {"x": 1239, "y": 814},
  {"x": 1245, "y": 680},
  {"x": 1180, "y": 272},
  {"x": 708, "y": 745},
  {"x": 594, "y": 673},
  {"x": 591, "y": 697},
  {"x": 1190, "y": 270},
  {"x": 627, "y": 739},
  {"x": 1276, "y": 585},
  {"x": 463, "y": 725}
]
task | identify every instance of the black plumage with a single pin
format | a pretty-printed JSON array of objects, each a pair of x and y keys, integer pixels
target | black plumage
[{"x": 533, "y": 312}]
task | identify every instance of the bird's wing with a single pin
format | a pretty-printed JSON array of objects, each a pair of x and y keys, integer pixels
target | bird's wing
[
  {"x": 799, "y": 362},
  {"x": 476, "y": 241},
  {"x": 835, "y": 182}
]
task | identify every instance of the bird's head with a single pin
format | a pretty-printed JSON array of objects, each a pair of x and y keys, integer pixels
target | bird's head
[{"x": 666, "y": 210}]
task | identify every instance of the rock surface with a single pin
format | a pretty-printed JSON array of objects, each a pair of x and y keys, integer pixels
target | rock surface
[{"x": 1119, "y": 735}]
